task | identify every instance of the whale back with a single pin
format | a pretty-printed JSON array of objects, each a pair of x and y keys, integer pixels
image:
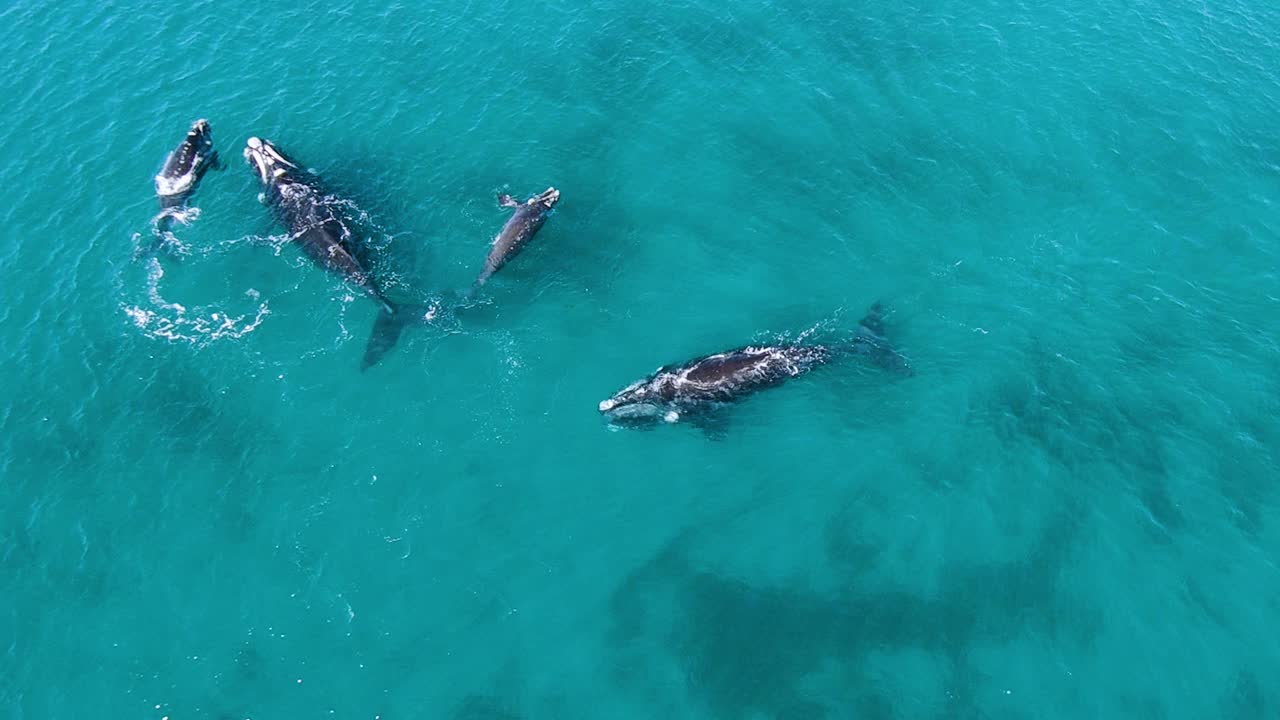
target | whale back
[
  {"x": 525, "y": 222},
  {"x": 183, "y": 167}
]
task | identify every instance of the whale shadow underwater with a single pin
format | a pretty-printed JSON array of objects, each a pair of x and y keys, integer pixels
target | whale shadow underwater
[{"x": 699, "y": 390}]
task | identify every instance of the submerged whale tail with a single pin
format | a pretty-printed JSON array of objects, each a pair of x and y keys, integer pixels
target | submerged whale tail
[
  {"x": 389, "y": 325},
  {"x": 163, "y": 222},
  {"x": 161, "y": 238},
  {"x": 870, "y": 341}
]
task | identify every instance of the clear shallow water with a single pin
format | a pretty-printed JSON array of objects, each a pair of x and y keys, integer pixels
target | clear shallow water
[{"x": 1069, "y": 511}]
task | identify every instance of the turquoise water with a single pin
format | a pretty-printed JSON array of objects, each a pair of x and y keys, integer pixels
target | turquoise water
[{"x": 1069, "y": 511}]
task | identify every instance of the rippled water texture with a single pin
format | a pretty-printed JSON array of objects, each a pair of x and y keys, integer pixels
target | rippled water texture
[{"x": 1068, "y": 511}]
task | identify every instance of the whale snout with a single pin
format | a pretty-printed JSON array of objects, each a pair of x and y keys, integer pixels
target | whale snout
[
  {"x": 625, "y": 413},
  {"x": 200, "y": 136},
  {"x": 258, "y": 160},
  {"x": 267, "y": 161}
]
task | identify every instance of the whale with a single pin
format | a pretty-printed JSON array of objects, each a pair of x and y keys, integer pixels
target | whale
[
  {"x": 185, "y": 166},
  {"x": 696, "y": 389},
  {"x": 311, "y": 214},
  {"x": 176, "y": 182},
  {"x": 524, "y": 223}
]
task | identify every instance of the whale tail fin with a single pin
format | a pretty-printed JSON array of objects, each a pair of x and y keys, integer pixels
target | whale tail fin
[
  {"x": 163, "y": 223},
  {"x": 869, "y": 341},
  {"x": 388, "y": 327},
  {"x": 162, "y": 239}
]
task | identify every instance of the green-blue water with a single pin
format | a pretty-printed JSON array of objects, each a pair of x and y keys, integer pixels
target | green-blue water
[{"x": 1069, "y": 511}]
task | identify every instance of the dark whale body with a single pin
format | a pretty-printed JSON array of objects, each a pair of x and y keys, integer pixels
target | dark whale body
[
  {"x": 696, "y": 387},
  {"x": 186, "y": 165},
  {"x": 320, "y": 230},
  {"x": 524, "y": 223}
]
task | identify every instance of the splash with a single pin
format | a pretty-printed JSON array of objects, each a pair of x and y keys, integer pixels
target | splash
[
  {"x": 174, "y": 322},
  {"x": 182, "y": 216}
]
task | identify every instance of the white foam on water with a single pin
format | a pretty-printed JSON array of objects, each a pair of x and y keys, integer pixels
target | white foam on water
[
  {"x": 186, "y": 215},
  {"x": 172, "y": 321}
]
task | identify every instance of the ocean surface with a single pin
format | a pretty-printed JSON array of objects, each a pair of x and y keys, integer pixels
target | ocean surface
[{"x": 1070, "y": 510}]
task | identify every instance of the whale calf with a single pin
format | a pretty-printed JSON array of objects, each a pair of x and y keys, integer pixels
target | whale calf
[
  {"x": 177, "y": 181},
  {"x": 693, "y": 389},
  {"x": 186, "y": 165},
  {"x": 524, "y": 223}
]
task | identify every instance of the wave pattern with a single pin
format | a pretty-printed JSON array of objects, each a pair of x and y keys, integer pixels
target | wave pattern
[{"x": 208, "y": 511}]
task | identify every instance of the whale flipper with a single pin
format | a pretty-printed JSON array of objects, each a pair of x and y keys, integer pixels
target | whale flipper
[
  {"x": 870, "y": 341},
  {"x": 713, "y": 424},
  {"x": 506, "y": 201}
]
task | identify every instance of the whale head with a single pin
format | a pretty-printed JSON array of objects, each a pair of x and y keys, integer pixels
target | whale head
[
  {"x": 201, "y": 135},
  {"x": 267, "y": 160},
  {"x": 547, "y": 199},
  {"x": 640, "y": 405}
]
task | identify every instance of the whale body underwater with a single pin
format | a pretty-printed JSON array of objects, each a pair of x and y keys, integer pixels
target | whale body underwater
[{"x": 694, "y": 390}]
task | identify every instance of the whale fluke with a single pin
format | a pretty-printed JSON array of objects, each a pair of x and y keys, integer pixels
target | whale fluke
[{"x": 388, "y": 327}]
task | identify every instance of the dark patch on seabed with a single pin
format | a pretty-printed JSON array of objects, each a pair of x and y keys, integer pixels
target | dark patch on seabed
[
  {"x": 746, "y": 650},
  {"x": 484, "y": 707}
]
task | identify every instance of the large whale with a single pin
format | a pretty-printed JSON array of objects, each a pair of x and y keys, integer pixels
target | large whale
[
  {"x": 524, "y": 223},
  {"x": 320, "y": 230},
  {"x": 186, "y": 165},
  {"x": 693, "y": 390}
]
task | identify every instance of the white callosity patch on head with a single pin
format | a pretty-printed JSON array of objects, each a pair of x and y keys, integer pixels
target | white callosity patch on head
[
  {"x": 269, "y": 162},
  {"x": 253, "y": 152},
  {"x": 262, "y": 168},
  {"x": 275, "y": 155},
  {"x": 636, "y": 411},
  {"x": 547, "y": 198}
]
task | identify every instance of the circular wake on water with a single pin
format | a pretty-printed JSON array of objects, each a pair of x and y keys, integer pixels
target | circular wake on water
[{"x": 161, "y": 319}]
